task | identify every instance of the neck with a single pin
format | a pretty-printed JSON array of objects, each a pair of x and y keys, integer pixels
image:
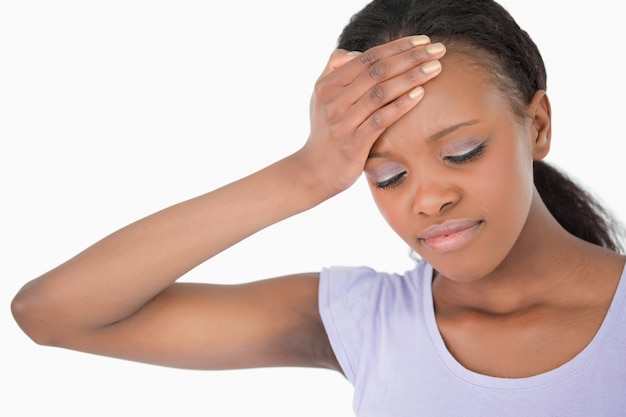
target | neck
[{"x": 540, "y": 270}]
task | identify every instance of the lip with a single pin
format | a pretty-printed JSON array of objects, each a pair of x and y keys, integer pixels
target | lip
[{"x": 449, "y": 236}]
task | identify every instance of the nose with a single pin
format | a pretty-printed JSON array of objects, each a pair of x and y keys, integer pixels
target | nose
[{"x": 434, "y": 198}]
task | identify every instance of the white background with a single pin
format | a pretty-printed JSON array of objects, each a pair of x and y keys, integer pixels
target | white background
[{"x": 110, "y": 110}]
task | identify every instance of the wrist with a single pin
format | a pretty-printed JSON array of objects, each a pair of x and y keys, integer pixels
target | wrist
[
  {"x": 317, "y": 181},
  {"x": 305, "y": 180}
]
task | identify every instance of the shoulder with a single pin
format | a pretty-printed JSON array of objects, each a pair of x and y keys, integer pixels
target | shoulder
[
  {"x": 358, "y": 297},
  {"x": 357, "y": 304},
  {"x": 356, "y": 282}
]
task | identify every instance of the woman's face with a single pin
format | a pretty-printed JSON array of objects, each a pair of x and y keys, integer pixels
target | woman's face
[{"x": 453, "y": 177}]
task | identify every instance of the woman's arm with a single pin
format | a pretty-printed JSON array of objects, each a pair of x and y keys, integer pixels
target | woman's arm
[{"x": 119, "y": 297}]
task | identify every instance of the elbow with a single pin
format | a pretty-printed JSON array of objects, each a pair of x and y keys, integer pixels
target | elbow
[{"x": 29, "y": 311}]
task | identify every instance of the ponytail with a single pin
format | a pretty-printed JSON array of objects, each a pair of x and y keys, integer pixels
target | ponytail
[{"x": 575, "y": 209}]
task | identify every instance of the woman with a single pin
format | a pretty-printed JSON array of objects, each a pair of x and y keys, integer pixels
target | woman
[{"x": 449, "y": 129}]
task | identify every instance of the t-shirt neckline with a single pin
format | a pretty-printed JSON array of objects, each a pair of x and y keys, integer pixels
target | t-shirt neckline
[{"x": 533, "y": 382}]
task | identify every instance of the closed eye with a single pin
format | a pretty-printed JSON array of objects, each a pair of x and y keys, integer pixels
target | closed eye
[
  {"x": 466, "y": 157},
  {"x": 390, "y": 182}
]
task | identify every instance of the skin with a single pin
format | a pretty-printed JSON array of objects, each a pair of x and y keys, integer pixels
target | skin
[
  {"x": 435, "y": 189},
  {"x": 505, "y": 293},
  {"x": 120, "y": 297},
  {"x": 517, "y": 299}
]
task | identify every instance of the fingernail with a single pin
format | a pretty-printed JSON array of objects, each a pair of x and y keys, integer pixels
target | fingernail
[
  {"x": 416, "y": 93},
  {"x": 354, "y": 53},
  {"x": 420, "y": 40},
  {"x": 430, "y": 67},
  {"x": 435, "y": 48}
]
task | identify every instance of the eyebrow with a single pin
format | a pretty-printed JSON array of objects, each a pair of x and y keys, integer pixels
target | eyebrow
[{"x": 432, "y": 138}]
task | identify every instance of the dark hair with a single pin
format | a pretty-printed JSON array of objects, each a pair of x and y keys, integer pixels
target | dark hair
[{"x": 486, "y": 32}]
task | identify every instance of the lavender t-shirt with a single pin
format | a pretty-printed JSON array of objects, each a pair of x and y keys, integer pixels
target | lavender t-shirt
[{"x": 383, "y": 331}]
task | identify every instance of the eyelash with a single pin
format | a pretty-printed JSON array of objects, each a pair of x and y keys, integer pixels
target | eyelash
[
  {"x": 391, "y": 182},
  {"x": 456, "y": 159},
  {"x": 466, "y": 157}
]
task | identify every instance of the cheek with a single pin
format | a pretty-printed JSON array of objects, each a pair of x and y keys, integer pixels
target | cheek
[
  {"x": 507, "y": 189},
  {"x": 520, "y": 173}
]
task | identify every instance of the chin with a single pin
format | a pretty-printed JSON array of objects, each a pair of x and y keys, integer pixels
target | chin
[
  {"x": 458, "y": 276},
  {"x": 469, "y": 263},
  {"x": 461, "y": 269}
]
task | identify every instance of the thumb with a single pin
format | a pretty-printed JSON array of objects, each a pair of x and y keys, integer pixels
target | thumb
[{"x": 338, "y": 59}]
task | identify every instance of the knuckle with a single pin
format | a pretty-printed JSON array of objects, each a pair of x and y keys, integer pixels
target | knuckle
[
  {"x": 414, "y": 75},
  {"x": 399, "y": 105},
  {"x": 321, "y": 88},
  {"x": 368, "y": 57},
  {"x": 377, "y": 121},
  {"x": 330, "y": 111},
  {"x": 401, "y": 48},
  {"x": 416, "y": 55},
  {"x": 377, "y": 94},
  {"x": 377, "y": 71}
]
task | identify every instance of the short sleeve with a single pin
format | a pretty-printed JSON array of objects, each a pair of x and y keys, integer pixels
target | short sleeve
[{"x": 345, "y": 300}]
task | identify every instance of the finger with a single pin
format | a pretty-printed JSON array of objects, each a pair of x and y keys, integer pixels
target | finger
[
  {"x": 355, "y": 67},
  {"x": 397, "y": 65},
  {"x": 382, "y": 94},
  {"x": 387, "y": 79},
  {"x": 412, "y": 66},
  {"x": 338, "y": 59},
  {"x": 373, "y": 126},
  {"x": 364, "y": 97}
]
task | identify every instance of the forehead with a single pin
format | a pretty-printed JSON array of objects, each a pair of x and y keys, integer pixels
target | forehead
[{"x": 463, "y": 91}]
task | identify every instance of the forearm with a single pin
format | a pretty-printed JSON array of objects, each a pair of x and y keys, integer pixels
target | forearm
[
  {"x": 112, "y": 280},
  {"x": 115, "y": 277}
]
